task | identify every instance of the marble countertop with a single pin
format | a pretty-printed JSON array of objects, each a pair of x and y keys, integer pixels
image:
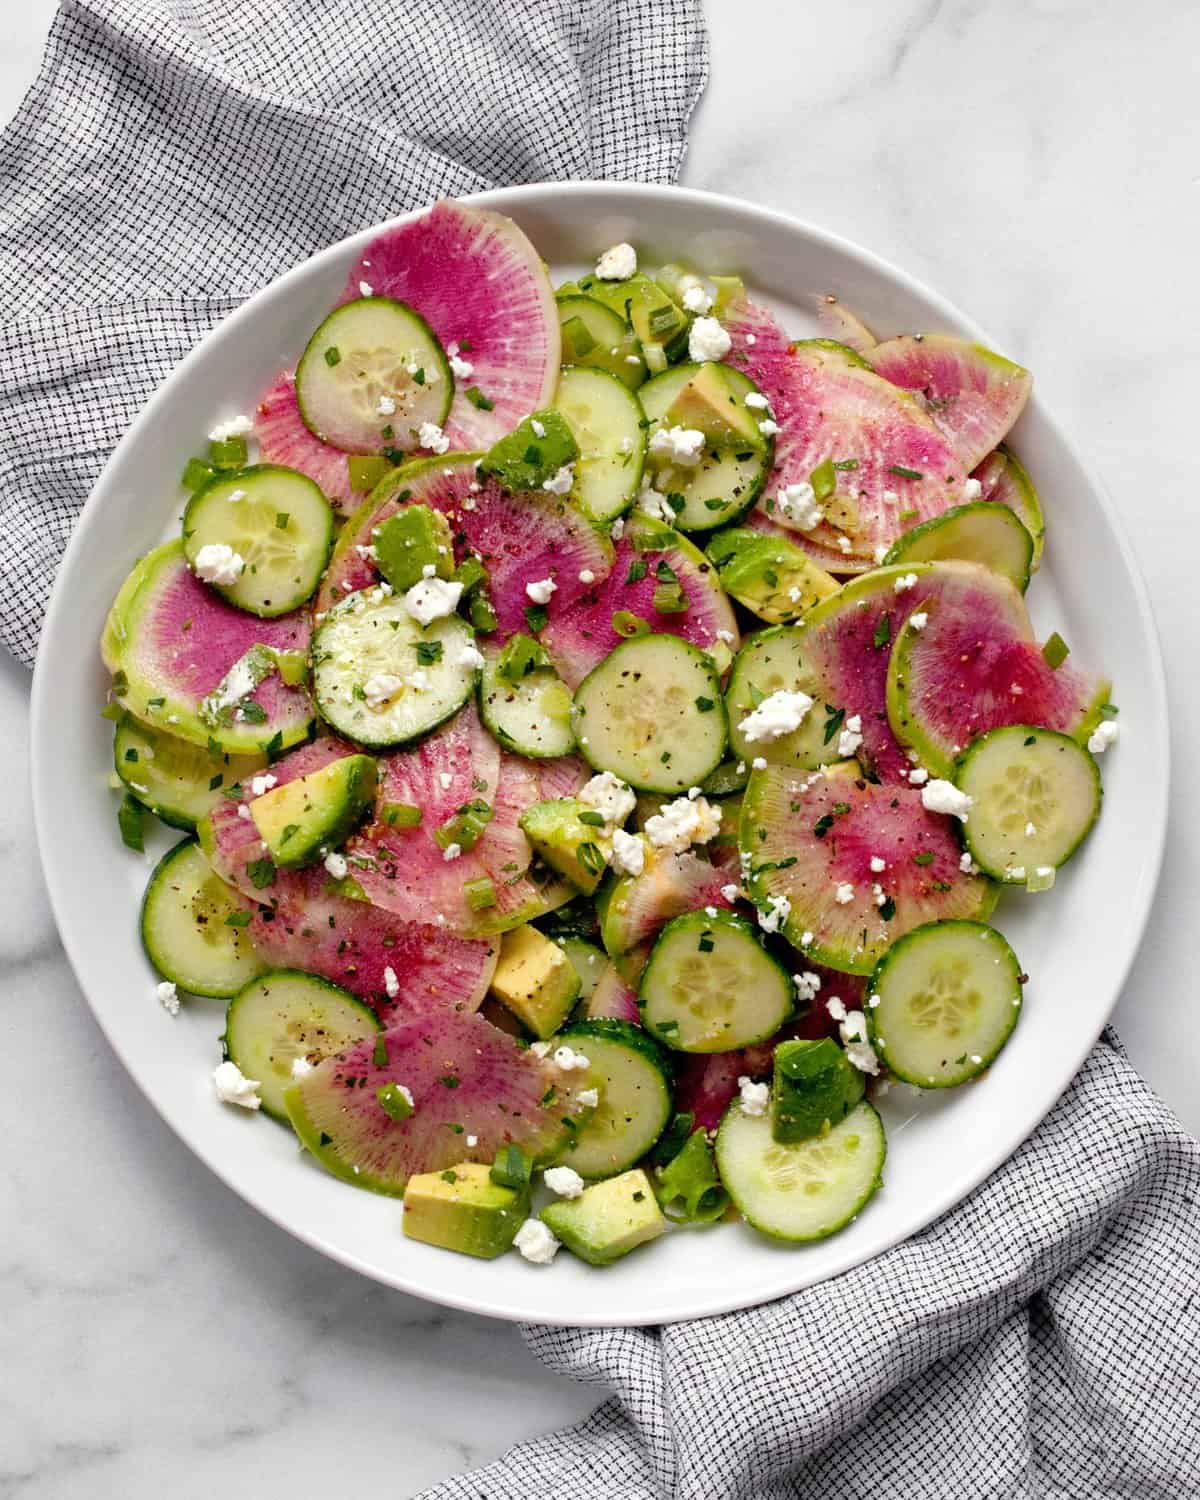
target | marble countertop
[{"x": 1039, "y": 164}]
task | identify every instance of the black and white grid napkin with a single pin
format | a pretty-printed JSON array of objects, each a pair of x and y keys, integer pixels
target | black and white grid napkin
[{"x": 1039, "y": 1342}]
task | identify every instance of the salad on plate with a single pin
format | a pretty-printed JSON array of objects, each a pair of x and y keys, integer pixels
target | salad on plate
[{"x": 601, "y": 727}]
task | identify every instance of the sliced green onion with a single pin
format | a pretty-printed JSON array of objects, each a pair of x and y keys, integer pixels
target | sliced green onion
[
  {"x": 480, "y": 893},
  {"x": 400, "y": 815},
  {"x": 393, "y": 1101},
  {"x": 476, "y": 397},
  {"x": 228, "y": 453},
  {"x": 521, "y": 655},
  {"x": 905, "y": 473},
  {"x": 196, "y": 474},
  {"x": 1055, "y": 651},
  {"x": 823, "y": 480},
  {"x": 669, "y": 599},
  {"x": 483, "y": 616},
  {"x": 629, "y": 625},
  {"x": 464, "y": 827}
]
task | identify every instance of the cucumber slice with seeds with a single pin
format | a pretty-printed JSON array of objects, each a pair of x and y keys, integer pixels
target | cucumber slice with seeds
[
  {"x": 652, "y": 714},
  {"x": 606, "y": 419},
  {"x": 179, "y": 782},
  {"x": 1037, "y": 793},
  {"x": 727, "y": 481},
  {"x": 373, "y": 373},
  {"x": 711, "y": 986},
  {"x": 186, "y": 930},
  {"x": 284, "y": 1015},
  {"x": 802, "y": 1190},
  {"x": 280, "y": 525},
  {"x": 369, "y": 636},
  {"x": 597, "y": 337},
  {"x": 531, "y": 717},
  {"x": 943, "y": 1001},
  {"x": 772, "y": 661},
  {"x": 633, "y": 1076},
  {"x": 981, "y": 532}
]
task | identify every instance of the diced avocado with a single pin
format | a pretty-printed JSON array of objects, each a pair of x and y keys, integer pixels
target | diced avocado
[
  {"x": 410, "y": 541},
  {"x": 769, "y": 575},
  {"x": 657, "y": 320},
  {"x": 463, "y": 1209},
  {"x": 608, "y": 1219},
  {"x": 536, "y": 980},
  {"x": 816, "y": 1087},
  {"x": 709, "y": 403},
  {"x": 564, "y": 833},
  {"x": 314, "y": 812},
  {"x": 527, "y": 457}
]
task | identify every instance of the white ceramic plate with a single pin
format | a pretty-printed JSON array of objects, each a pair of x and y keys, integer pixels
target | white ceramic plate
[{"x": 1077, "y": 943}]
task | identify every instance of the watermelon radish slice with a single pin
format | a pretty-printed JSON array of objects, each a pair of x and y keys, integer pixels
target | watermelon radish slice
[
  {"x": 1005, "y": 480},
  {"x": 176, "y": 639},
  {"x": 635, "y": 907},
  {"x": 482, "y": 288},
  {"x": 521, "y": 539},
  {"x": 810, "y": 837},
  {"x": 840, "y": 324},
  {"x": 523, "y": 890},
  {"x": 354, "y": 944},
  {"x": 561, "y": 777},
  {"x": 846, "y": 643},
  {"x": 830, "y": 405},
  {"x": 971, "y": 670},
  {"x": 467, "y": 1079},
  {"x": 580, "y": 637},
  {"x": 973, "y": 395},
  {"x": 613, "y": 998},
  {"x": 284, "y": 439}
]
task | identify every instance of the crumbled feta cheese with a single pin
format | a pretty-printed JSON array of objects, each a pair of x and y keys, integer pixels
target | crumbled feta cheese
[
  {"x": 540, "y": 1049},
  {"x": 708, "y": 340},
  {"x": 561, "y": 480},
  {"x": 653, "y": 504},
  {"x": 769, "y": 427},
  {"x": 539, "y": 430},
  {"x": 919, "y": 776},
  {"x": 756, "y": 401},
  {"x": 918, "y": 621},
  {"x": 853, "y": 1032},
  {"x": 380, "y": 688},
  {"x": 336, "y": 866},
  {"x": 755, "y": 1096},
  {"x": 617, "y": 263},
  {"x": 565, "y": 1181},
  {"x": 806, "y": 938},
  {"x": 1015, "y": 872},
  {"x": 836, "y": 1008},
  {"x": 431, "y": 436},
  {"x": 628, "y": 853},
  {"x": 779, "y": 909},
  {"x": 696, "y": 296},
  {"x": 239, "y": 426},
  {"x": 617, "y": 529},
  {"x": 540, "y": 591},
  {"x": 569, "y": 1060},
  {"x": 261, "y": 785},
  {"x": 470, "y": 656},
  {"x": 878, "y": 866},
  {"x": 759, "y": 763},
  {"x": 243, "y": 811},
  {"x": 905, "y": 582},
  {"x": 944, "y": 797},
  {"x": 797, "y": 506},
  {"x": 432, "y": 599},
  {"x": 682, "y": 445},
  {"x": 971, "y": 491},
  {"x": 219, "y": 564},
  {"x": 881, "y": 552},
  {"x": 535, "y": 1242},
  {"x": 967, "y": 865},
  {"x": 233, "y": 1087},
  {"x": 168, "y": 997},
  {"x": 386, "y": 407},
  {"x": 451, "y": 852},
  {"x": 684, "y": 822},
  {"x": 462, "y": 369},
  {"x": 1030, "y": 830},
  {"x": 807, "y": 984},
  {"x": 609, "y": 796},
  {"x": 301, "y": 1067},
  {"x": 726, "y": 637},
  {"x": 472, "y": 1141},
  {"x": 444, "y": 780},
  {"x": 586, "y": 575},
  {"x": 391, "y": 984},
  {"x": 843, "y": 895},
  {"x": 751, "y": 340},
  {"x": 844, "y": 543},
  {"x": 589, "y": 1098},
  {"x": 776, "y": 715},
  {"x": 1104, "y": 735},
  {"x": 850, "y": 737},
  {"x": 878, "y": 895},
  {"x": 365, "y": 289},
  {"x": 730, "y": 892}
]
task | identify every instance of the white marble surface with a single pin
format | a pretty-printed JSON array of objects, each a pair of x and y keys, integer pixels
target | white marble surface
[{"x": 1037, "y": 162}]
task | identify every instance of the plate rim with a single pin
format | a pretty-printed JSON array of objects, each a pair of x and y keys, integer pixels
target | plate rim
[{"x": 621, "y": 194}]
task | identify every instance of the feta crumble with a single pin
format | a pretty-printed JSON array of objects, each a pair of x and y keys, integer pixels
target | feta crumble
[
  {"x": 807, "y": 984},
  {"x": 967, "y": 865},
  {"x": 391, "y": 986},
  {"x": 432, "y": 599},
  {"x": 769, "y": 427},
  {"x": 971, "y": 491},
  {"x": 233, "y": 1087},
  {"x": 754, "y": 1096},
  {"x": 730, "y": 892},
  {"x": 569, "y": 1060},
  {"x": 541, "y": 590},
  {"x": 878, "y": 866},
  {"x": 586, "y": 575},
  {"x": 431, "y": 436},
  {"x": 696, "y": 296},
  {"x": 589, "y": 1098},
  {"x": 797, "y": 505},
  {"x": 905, "y": 582},
  {"x": 682, "y": 445},
  {"x": 535, "y": 1242},
  {"x": 365, "y": 289},
  {"x": 776, "y": 715},
  {"x": 853, "y": 1032},
  {"x": 756, "y": 401},
  {"x": 708, "y": 340},
  {"x": 261, "y": 785},
  {"x": 836, "y": 1008},
  {"x": 301, "y": 1067},
  {"x": 379, "y": 689},
  {"x": 610, "y": 796},
  {"x": 944, "y": 797},
  {"x": 918, "y": 621},
  {"x": 617, "y": 263},
  {"x": 470, "y": 657},
  {"x": 565, "y": 1181},
  {"x": 462, "y": 369},
  {"x": 628, "y": 853},
  {"x": 1105, "y": 734},
  {"x": 451, "y": 852},
  {"x": 779, "y": 909},
  {"x": 336, "y": 866},
  {"x": 560, "y": 481},
  {"x": 850, "y": 737},
  {"x": 843, "y": 895},
  {"x": 683, "y": 822},
  {"x": 880, "y": 553},
  {"x": 239, "y": 426},
  {"x": 219, "y": 564},
  {"x": 918, "y": 776},
  {"x": 386, "y": 407},
  {"x": 168, "y": 997}
]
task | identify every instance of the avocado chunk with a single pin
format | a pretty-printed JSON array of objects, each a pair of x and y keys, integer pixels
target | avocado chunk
[
  {"x": 410, "y": 541},
  {"x": 463, "y": 1209},
  {"x": 816, "y": 1087},
  {"x": 659, "y": 322},
  {"x": 565, "y": 834},
  {"x": 769, "y": 575},
  {"x": 608, "y": 1219},
  {"x": 315, "y": 812},
  {"x": 709, "y": 403},
  {"x": 533, "y": 452},
  {"x": 536, "y": 980}
]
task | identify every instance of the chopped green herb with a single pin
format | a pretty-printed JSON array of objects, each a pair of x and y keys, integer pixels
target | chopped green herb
[
  {"x": 822, "y": 826},
  {"x": 448, "y": 1081},
  {"x": 333, "y": 356},
  {"x": 592, "y": 819},
  {"x": 380, "y": 1055},
  {"x": 905, "y": 473},
  {"x": 215, "y": 781},
  {"x": 238, "y": 919},
  {"x": 925, "y": 857},
  {"x": 845, "y": 463},
  {"x": 591, "y": 857},
  {"x": 705, "y": 944},
  {"x": 476, "y": 397},
  {"x": 834, "y": 722},
  {"x": 536, "y": 617},
  {"x": 638, "y": 569},
  {"x": 428, "y": 652},
  {"x": 887, "y": 909},
  {"x": 705, "y": 705},
  {"x": 281, "y": 520},
  {"x": 261, "y": 873},
  {"x": 131, "y": 816},
  {"x": 883, "y": 631},
  {"x": 1055, "y": 651}
]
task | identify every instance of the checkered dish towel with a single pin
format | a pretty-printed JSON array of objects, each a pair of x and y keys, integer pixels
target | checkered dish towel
[
  {"x": 1042, "y": 1339},
  {"x": 176, "y": 155}
]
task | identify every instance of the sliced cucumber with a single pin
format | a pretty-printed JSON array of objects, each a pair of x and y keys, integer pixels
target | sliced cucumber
[
  {"x": 981, "y": 532},
  {"x": 651, "y": 313},
  {"x": 711, "y": 986},
  {"x": 801, "y": 1190},
  {"x": 772, "y": 661},
  {"x": 186, "y": 928},
  {"x": 727, "y": 481},
  {"x": 372, "y": 375},
  {"x": 179, "y": 782},
  {"x": 606, "y": 419},
  {"x": 1037, "y": 793},
  {"x": 529, "y": 717},
  {"x": 280, "y": 525},
  {"x": 652, "y": 714},
  {"x": 596, "y": 336},
  {"x": 943, "y": 1001},
  {"x": 633, "y": 1076},
  {"x": 284, "y": 1015},
  {"x": 369, "y": 641},
  {"x": 588, "y": 962}
]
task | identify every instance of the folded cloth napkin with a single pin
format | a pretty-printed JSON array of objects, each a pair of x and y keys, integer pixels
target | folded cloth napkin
[
  {"x": 175, "y": 155},
  {"x": 1039, "y": 1342}
]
